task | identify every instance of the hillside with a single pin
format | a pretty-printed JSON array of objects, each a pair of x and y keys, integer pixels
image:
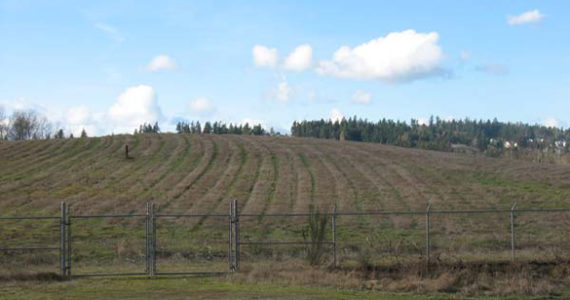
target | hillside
[{"x": 200, "y": 173}]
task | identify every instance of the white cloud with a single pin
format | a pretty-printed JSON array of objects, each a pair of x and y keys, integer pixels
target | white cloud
[
  {"x": 300, "y": 59},
  {"x": 201, "y": 105},
  {"x": 336, "y": 115},
  {"x": 529, "y": 17},
  {"x": 160, "y": 63},
  {"x": 264, "y": 57},
  {"x": 78, "y": 115},
  {"x": 283, "y": 91},
  {"x": 79, "y": 118},
  {"x": 136, "y": 105},
  {"x": 252, "y": 122},
  {"x": 465, "y": 55},
  {"x": 111, "y": 31},
  {"x": 496, "y": 69},
  {"x": 361, "y": 97},
  {"x": 551, "y": 122},
  {"x": 397, "y": 57}
]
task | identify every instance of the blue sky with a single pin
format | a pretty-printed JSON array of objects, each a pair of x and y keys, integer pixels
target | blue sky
[{"x": 108, "y": 65}]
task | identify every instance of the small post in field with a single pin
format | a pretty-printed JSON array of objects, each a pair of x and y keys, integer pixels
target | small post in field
[
  {"x": 427, "y": 235},
  {"x": 127, "y": 151},
  {"x": 513, "y": 230},
  {"x": 62, "y": 250},
  {"x": 333, "y": 224}
]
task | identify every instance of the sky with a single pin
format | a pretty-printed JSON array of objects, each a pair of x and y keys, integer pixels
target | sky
[{"x": 108, "y": 66}]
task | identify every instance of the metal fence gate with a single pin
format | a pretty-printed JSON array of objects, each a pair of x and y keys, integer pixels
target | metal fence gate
[{"x": 146, "y": 251}]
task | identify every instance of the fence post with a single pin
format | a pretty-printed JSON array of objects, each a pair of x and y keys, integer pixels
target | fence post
[
  {"x": 62, "y": 238},
  {"x": 68, "y": 267},
  {"x": 147, "y": 240},
  {"x": 236, "y": 229},
  {"x": 427, "y": 235},
  {"x": 153, "y": 241},
  {"x": 333, "y": 224},
  {"x": 230, "y": 237},
  {"x": 513, "y": 230}
]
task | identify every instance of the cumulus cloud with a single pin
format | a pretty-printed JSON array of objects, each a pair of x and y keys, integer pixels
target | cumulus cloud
[
  {"x": 283, "y": 91},
  {"x": 201, "y": 105},
  {"x": 161, "y": 63},
  {"x": 495, "y": 69},
  {"x": 336, "y": 115},
  {"x": 397, "y": 57},
  {"x": 300, "y": 59},
  {"x": 361, "y": 97},
  {"x": 264, "y": 57},
  {"x": 136, "y": 105},
  {"x": 529, "y": 17},
  {"x": 80, "y": 118},
  {"x": 111, "y": 31}
]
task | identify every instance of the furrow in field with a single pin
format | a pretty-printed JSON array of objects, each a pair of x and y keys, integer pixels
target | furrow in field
[
  {"x": 392, "y": 176},
  {"x": 160, "y": 166},
  {"x": 207, "y": 182},
  {"x": 28, "y": 152},
  {"x": 202, "y": 159},
  {"x": 325, "y": 189},
  {"x": 305, "y": 203},
  {"x": 285, "y": 182},
  {"x": 270, "y": 199},
  {"x": 63, "y": 185},
  {"x": 64, "y": 165},
  {"x": 177, "y": 163},
  {"x": 175, "y": 200},
  {"x": 264, "y": 184},
  {"x": 26, "y": 164},
  {"x": 249, "y": 173},
  {"x": 24, "y": 179},
  {"x": 373, "y": 193},
  {"x": 224, "y": 181},
  {"x": 23, "y": 191},
  {"x": 187, "y": 167},
  {"x": 416, "y": 192},
  {"x": 145, "y": 166},
  {"x": 103, "y": 195},
  {"x": 256, "y": 151},
  {"x": 233, "y": 185},
  {"x": 345, "y": 192}
]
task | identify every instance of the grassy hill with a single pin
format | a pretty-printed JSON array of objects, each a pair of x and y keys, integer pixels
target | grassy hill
[{"x": 200, "y": 173}]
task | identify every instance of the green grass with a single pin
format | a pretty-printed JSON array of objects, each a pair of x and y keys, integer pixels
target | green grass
[{"x": 185, "y": 288}]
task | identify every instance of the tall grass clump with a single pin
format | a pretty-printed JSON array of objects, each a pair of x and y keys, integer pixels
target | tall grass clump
[{"x": 314, "y": 235}]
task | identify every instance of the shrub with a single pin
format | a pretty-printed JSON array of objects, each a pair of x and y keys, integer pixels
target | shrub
[{"x": 314, "y": 234}]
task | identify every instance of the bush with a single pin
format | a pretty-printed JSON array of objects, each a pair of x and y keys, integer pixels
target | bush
[{"x": 314, "y": 234}]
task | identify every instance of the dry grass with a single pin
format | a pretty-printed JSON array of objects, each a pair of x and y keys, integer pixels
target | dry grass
[{"x": 470, "y": 279}]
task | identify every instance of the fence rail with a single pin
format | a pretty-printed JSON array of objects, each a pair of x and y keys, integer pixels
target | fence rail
[{"x": 233, "y": 242}]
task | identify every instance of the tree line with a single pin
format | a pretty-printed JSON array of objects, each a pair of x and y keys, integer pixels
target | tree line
[
  {"x": 490, "y": 136},
  {"x": 221, "y": 128},
  {"x": 29, "y": 125}
]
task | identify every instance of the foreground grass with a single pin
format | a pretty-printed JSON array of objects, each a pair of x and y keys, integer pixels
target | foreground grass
[{"x": 182, "y": 288}]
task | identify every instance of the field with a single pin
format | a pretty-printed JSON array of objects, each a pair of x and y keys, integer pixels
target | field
[{"x": 188, "y": 174}]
